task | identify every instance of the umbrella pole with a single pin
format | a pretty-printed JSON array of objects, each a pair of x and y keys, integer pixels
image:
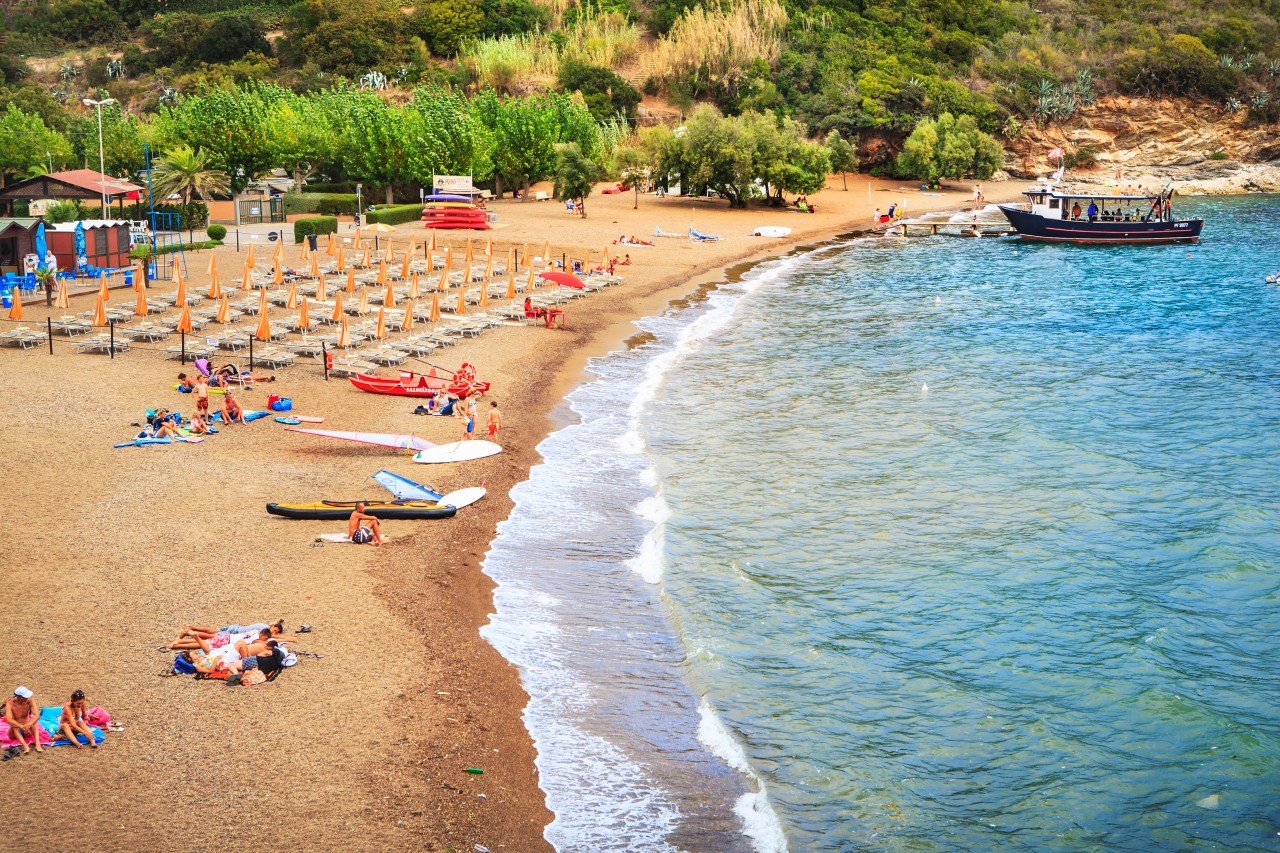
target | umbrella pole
[
  {"x": 49, "y": 325},
  {"x": 184, "y": 347},
  {"x": 324, "y": 359},
  {"x": 112, "y": 349},
  {"x": 251, "y": 353}
]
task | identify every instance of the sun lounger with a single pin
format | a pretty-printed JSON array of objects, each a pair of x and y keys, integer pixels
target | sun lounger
[
  {"x": 275, "y": 359},
  {"x": 350, "y": 367},
  {"x": 658, "y": 232},
  {"x": 698, "y": 237}
]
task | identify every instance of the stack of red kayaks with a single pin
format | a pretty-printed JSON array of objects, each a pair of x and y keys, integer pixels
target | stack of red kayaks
[{"x": 445, "y": 211}]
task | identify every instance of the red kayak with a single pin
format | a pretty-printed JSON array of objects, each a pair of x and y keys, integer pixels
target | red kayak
[{"x": 409, "y": 384}]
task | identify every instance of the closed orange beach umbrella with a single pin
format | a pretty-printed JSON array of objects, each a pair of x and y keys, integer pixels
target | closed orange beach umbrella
[
  {"x": 184, "y": 320},
  {"x": 100, "y": 312},
  {"x": 344, "y": 334},
  {"x": 277, "y": 273},
  {"x": 546, "y": 251},
  {"x": 250, "y": 257},
  {"x": 488, "y": 249},
  {"x": 137, "y": 280},
  {"x": 511, "y": 282},
  {"x": 448, "y": 257},
  {"x": 415, "y": 286},
  {"x": 320, "y": 295},
  {"x": 213, "y": 264},
  {"x": 433, "y": 239},
  {"x": 262, "y": 301},
  {"x": 304, "y": 316},
  {"x": 351, "y": 280},
  {"x": 381, "y": 331},
  {"x": 315, "y": 265},
  {"x": 462, "y": 301},
  {"x": 306, "y": 250},
  {"x": 15, "y": 311},
  {"x": 215, "y": 286},
  {"x": 364, "y": 300},
  {"x": 431, "y": 260},
  {"x": 64, "y": 298},
  {"x": 408, "y": 256},
  {"x": 471, "y": 254},
  {"x": 389, "y": 300},
  {"x": 292, "y": 301},
  {"x": 332, "y": 248},
  {"x": 182, "y": 289},
  {"x": 342, "y": 258},
  {"x": 224, "y": 311},
  {"x": 484, "y": 294},
  {"x": 263, "y": 332},
  {"x": 443, "y": 283},
  {"x": 586, "y": 261},
  {"x": 434, "y": 316},
  {"x": 382, "y": 271},
  {"x": 141, "y": 309},
  {"x": 246, "y": 283},
  {"x": 511, "y": 258},
  {"x": 279, "y": 252},
  {"x": 406, "y": 324},
  {"x": 488, "y": 267},
  {"x": 358, "y": 238},
  {"x": 366, "y": 260},
  {"x": 104, "y": 288},
  {"x": 337, "y": 307},
  {"x": 526, "y": 255},
  {"x": 532, "y": 282}
]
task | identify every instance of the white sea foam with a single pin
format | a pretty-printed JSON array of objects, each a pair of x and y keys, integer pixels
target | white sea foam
[
  {"x": 759, "y": 822},
  {"x": 649, "y": 563}
]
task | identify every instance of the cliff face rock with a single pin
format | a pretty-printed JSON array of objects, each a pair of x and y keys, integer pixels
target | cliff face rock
[{"x": 1160, "y": 139}]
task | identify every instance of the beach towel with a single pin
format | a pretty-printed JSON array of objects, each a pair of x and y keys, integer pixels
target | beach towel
[{"x": 49, "y": 727}]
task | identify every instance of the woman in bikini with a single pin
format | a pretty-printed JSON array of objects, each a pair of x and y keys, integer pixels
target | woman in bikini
[{"x": 72, "y": 722}]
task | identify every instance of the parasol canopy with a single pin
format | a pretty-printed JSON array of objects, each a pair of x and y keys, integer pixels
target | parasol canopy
[
  {"x": 563, "y": 279},
  {"x": 184, "y": 320},
  {"x": 15, "y": 312}
]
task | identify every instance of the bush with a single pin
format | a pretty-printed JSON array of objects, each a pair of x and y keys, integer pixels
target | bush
[
  {"x": 1218, "y": 155},
  {"x": 604, "y": 91},
  {"x": 328, "y": 204},
  {"x": 1180, "y": 66},
  {"x": 396, "y": 215},
  {"x": 217, "y": 232},
  {"x": 188, "y": 216},
  {"x": 64, "y": 211},
  {"x": 85, "y": 22},
  {"x": 232, "y": 36},
  {"x": 303, "y": 228}
]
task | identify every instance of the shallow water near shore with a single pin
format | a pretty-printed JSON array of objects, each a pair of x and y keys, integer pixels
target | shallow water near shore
[{"x": 931, "y": 544}]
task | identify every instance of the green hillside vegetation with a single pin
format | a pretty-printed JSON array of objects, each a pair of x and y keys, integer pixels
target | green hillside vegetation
[{"x": 383, "y": 93}]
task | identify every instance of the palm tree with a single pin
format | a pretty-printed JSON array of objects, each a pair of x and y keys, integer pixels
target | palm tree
[{"x": 184, "y": 170}]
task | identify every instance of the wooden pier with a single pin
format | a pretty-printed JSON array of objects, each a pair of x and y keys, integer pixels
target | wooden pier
[{"x": 917, "y": 228}]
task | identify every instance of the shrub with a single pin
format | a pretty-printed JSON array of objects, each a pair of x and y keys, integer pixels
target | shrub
[
  {"x": 604, "y": 91},
  {"x": 217, "y": 232},
  {"x": 64, "y": 211},
  {"x": 1180, "y": 66},
  {"x": 232, "y": 36},
  {"x": 1218, "y": 155},
  {"x": 303, "y": 228},
  {"x": 328, "y": 204},
  {"x": 397, "y": 215}
]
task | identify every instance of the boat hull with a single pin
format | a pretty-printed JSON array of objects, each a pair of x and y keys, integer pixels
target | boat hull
[
  {"x": 420, "y": 386},
  {"x": 1032, "y": 226},
  {"x": 341, "y": 510}
]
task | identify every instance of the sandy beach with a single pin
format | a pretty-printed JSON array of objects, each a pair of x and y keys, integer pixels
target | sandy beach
[{"x": 366, "y": 747}]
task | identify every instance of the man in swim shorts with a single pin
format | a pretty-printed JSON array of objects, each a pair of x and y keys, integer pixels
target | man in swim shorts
[
  {"x": 495, "y": 419},
  {"x": 24, "y": 722},
  {"x": 231, "y": 411},
  {"x": 364, "y": 528},
  {"x": 202, "y": 396}
]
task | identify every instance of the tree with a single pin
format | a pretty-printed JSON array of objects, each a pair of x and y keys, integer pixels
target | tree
[
  {"x": 187, "y": 171},
  {"x": 71, "y": 210},
  {"x": 373, "y": 142},
  {"x": 949, "y": 147},
  {"x": 122, "y": 146},
  {"x": 446, "y": 24},
  {"x": 604, "y": 92},
  {"x": 347, "y": 37},
  {"x": 720, "y": 154},
  {"x": 229, "y": 126},
  {"x": 231, "y": 37},
  {"x": 632, "y": 165},
  {"x": 175, "y": 38},
  {"x": 443, "y": 136},
  {"x": 25, "y": 143},
  {"x": 8, "y": 6},
  {"x": 524, "y": 135},
  {"x": 303, "y": 136},
  {"x": 844, "y": 159},
  {"x": 85, "y": 22},
  {"x": 575, "y": 174}
]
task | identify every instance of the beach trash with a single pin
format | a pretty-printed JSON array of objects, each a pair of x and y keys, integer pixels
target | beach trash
[{"x": 476, "y": 770}]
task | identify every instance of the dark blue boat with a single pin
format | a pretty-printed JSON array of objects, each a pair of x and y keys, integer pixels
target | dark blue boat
[{"x": 1062, "y": 217}]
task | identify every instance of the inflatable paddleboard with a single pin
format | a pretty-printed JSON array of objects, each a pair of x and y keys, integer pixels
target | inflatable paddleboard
[
  {"x": 211, "y": 390},
  {"x": 144, "y": 442},
  {"x": 458, "y": 451},
  {"x": 463, "y": 497},
  {"x": 289, "y": 421},
  {"x": 309, "y": 419}
]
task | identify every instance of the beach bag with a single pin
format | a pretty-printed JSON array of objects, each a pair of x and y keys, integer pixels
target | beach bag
[
  {"x": 279, "y": 404},
  {"x": 97, "y": 716},
  {"x": 182, "y": 666},
  {"x": 252, "y": 677}
]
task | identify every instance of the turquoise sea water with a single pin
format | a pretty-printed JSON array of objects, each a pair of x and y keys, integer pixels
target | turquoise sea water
[{"x": 771, "y": 593}]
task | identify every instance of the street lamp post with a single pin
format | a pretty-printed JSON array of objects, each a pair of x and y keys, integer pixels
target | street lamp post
[
  {"x": 359, "y": 205},
  {"x": 102, "y": 161}
]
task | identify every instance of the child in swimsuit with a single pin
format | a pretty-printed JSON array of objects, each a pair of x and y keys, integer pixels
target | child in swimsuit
[{"x": 495, "y": 419}]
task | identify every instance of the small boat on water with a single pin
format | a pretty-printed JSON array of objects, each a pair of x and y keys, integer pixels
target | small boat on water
[
  {"x": 341, "y": 510},
  {"x": 1090, "y": 217},
  {"x": 1274, "y": 279}
]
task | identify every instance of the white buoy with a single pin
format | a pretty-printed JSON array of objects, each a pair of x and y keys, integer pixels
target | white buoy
[
  {"x": 937, "y": 300},
  {"x": 924, "y": 388}
]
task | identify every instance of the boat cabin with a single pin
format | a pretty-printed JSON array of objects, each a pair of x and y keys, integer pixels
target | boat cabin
[{"x": 1052, "y": 204}]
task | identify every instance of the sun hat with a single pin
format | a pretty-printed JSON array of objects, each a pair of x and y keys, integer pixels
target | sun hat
[{"x": 23, "y": 692}]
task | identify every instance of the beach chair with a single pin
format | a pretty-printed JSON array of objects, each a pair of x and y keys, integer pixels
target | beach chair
[
  {"x": 658, "y": 232},
  {"x": 699, "y": 237}
]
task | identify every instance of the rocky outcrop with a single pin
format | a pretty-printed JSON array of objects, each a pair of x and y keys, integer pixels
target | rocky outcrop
[{"x": 1138, "y": 135}]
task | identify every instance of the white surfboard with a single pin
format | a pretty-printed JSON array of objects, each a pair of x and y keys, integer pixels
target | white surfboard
[
  {"x": 771, "y": 231},
  {"x": 462, "y": 497},
  {"x": 458, "y": 451}
]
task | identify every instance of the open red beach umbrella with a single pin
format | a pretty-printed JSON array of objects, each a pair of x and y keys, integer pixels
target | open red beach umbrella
[
  {"x": 15, "y": 312},
  {"x": 184, "y": 320},
  {"x": 563, "y": 279}
]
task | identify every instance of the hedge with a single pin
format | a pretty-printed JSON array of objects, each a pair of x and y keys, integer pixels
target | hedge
[
  {"x": 397, "y": 215},
  {"x": 303, "y": 228},
  {"x": 326, "y": 204}
]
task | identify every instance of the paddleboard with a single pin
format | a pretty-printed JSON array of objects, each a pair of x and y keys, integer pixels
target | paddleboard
[
  {"x": 771, "y": 231},
  {"x": 289, "y": 421},
  {"x": 463, "y": 497},
  {"x": 458, "y": 451},
  {"x": 144, "y": 442},
  {"x": 307, "y": 419},
  {"x": 211, "y": 390}
]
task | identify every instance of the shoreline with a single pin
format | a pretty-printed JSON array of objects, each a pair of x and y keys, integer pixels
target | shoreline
[{"x": 439, "y": 698}]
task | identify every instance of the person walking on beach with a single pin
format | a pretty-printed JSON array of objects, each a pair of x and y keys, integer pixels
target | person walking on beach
[
  {"x": 465, "y": 409},
  {"x": 72, "y": 722},
  {"x": 24, "y": 722},
  {"x": 495, "y": 420},
  {"x": 362, "y": 527}
]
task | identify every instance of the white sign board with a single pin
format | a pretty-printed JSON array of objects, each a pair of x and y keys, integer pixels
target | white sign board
[{"x": 452, "y": 183}]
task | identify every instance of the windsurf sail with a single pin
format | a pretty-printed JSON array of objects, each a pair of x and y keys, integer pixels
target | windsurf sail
[
  {"x": 381, "y": 439},
  {"x": 404, "y": 489}
]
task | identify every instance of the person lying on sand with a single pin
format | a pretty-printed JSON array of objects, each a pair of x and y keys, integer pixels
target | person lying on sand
[
  {"x": 205, "y": 660},
  {"x": 24, "y": 722},
  {"x": 72, "y": 721},
  {"x": 268, "y": 661},
  {"x": 259, "y": 645},
  {"x": 362, "y": 527}
]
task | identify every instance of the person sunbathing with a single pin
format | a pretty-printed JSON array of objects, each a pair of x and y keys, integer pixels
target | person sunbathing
[
  {"x": 232, "y": 413},
  {"x": 205, "y": 661},
  {"x": 259, "y": 645},
  {"x": 189, "y": 636},
  {"x": 24, "y": 722},
  {"x": 185, "y": 385},
  {"x": 362, "y": 527},
  {"x": 269, "y": 661},
  {"x": 72, "y": 722}
]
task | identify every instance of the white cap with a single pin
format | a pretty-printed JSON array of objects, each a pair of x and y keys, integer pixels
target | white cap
[{"x": 23, "y": 692}]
